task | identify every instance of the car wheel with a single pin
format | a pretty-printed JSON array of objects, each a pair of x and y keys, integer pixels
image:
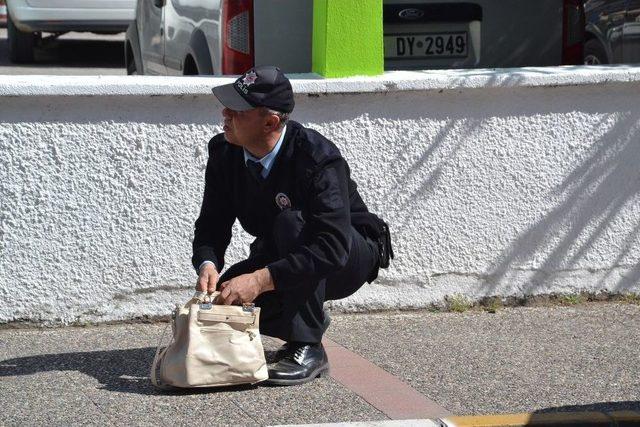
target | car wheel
[
  {"x": 21, "y": 44},
  {"x": 132, "y": 70},
  {"x": 594, "y": 53},
  {"x": 190, "y": 67}
]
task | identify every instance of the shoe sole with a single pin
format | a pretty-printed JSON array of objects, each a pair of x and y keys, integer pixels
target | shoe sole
[{"x": 319, "y": 372}]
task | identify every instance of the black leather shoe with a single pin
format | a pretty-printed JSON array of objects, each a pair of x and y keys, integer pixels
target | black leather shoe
[
  {"x": 284, "y": 350},
  {"x": 302, "y": 363}
]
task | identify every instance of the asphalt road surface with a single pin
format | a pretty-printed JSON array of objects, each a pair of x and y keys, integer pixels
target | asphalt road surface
[
  {"x": 526, "y": 359},
  {"x": 70, "y": 54}
]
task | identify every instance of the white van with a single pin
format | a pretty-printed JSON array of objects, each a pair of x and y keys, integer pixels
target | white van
[{"x": 28, "y": 19}]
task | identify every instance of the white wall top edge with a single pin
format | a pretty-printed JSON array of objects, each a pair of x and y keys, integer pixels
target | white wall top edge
[{"x": 391, "y": 81}]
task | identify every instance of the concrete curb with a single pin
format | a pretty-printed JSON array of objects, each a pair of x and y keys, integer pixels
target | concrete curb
[
  {"x": 582, "y": 419},
  {"x": 392, "y": 423},
  {"x": 617, "y": 418}
]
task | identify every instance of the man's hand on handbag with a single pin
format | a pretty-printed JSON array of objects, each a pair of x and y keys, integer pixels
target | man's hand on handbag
[
  {"x": 228, "y": 335},
  {"x": 246, "y": 287},
  {"x": 207, "y": 278}
]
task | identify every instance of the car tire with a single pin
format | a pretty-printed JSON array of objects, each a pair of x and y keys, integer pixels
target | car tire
[
  {"x": 131, "y": 70},
  {"x": 190, "y": 67},
  {"x": 132, "y": 57},
  {"x": 21, "y": 44},
  {"x": 130, "y": 62},
  {"x": 594, "y": 53}
]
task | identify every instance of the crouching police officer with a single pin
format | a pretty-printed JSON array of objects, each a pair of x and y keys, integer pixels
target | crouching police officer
[{"x": 290, "y": 188}]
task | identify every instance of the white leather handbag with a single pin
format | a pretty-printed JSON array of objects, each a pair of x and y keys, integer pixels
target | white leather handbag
[{"x": 212, "y": 345}]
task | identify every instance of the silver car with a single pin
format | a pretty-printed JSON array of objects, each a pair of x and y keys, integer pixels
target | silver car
[
  {"x": 612, "y": 32},
  {"x": 183, "y": 37},
  {"x": 28, "y": 19}
]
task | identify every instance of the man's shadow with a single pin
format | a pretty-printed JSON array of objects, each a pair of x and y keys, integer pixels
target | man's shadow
[{"x": 116, "y": 370}]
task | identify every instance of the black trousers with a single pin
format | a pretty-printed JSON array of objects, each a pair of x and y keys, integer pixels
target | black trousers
[{"x": 298, "y": 315}]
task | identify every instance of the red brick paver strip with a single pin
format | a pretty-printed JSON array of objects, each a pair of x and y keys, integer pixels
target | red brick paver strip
[{"x": 384, "y": 391}]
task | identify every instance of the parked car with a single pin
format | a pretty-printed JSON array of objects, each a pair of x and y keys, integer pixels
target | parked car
[
  {"x": 482, "y": 33},
  {"x": 28, "y": 19},
  {"x": 182, "y": 37},
  {"x": 186, "y": 37},
  {"x": 612, "y": 31}
]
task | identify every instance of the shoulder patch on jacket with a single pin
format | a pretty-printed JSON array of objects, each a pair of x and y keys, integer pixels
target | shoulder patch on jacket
[{"x": 316, "y": 146}]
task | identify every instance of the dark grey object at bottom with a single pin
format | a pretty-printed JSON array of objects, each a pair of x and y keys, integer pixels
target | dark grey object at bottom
[{"x": 521, "y": 359}]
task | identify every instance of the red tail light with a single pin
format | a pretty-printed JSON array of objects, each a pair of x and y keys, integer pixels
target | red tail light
[
  {"x": 3, "y": 12},
  {"x": 237, "y": 36},
  {"x": 572, "y": 32}
]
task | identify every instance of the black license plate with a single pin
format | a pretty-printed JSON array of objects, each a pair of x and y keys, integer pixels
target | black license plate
[{"x": 433, "y": 45}]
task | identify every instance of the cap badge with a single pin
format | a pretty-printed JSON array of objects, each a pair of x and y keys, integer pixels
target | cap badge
[
  {"x": 283, "y": 202},
  {"x": 249, "y": 78},
  {"x": 246, "y": 81}
]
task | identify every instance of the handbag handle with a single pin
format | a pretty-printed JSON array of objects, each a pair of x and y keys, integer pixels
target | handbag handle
[
  {"x": 199, "y": 296},
  {"x": 202, "y": 296},
  {"x": 213, "y": 296}
]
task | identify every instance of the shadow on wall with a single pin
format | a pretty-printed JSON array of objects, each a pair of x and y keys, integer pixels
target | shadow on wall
[
  {"x": 445, "y": 146},
  {"x": 592, "y": 197},
  {"x": 597, "y": 197}
]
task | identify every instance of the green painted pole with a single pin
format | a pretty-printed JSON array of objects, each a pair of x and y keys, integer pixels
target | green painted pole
[{"x": 347, "y": 38}]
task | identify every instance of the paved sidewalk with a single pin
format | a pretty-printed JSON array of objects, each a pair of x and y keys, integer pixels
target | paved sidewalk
[{"x": 518, "y": 360}]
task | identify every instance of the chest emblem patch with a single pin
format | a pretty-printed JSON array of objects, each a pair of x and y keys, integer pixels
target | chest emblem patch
[{"x": 283, "y": 202}]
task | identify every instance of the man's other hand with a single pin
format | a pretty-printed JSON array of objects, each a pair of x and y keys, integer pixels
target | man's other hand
[
  {"x": 207, "y": 278},
  {"x": 246, "y": 287}
]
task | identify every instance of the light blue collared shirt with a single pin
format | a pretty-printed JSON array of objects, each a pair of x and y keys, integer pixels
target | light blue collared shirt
[
  {"x": 267, "y": 161},
  {"x": 267, "y": 164}
]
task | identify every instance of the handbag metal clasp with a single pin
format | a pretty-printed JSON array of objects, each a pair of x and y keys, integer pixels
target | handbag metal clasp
[
  {"x": 248, "y": 307},
  {"x": 206, "y": 306}
]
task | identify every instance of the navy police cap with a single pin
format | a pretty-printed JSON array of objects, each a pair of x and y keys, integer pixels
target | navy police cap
[{"x": 263, "y": 86}]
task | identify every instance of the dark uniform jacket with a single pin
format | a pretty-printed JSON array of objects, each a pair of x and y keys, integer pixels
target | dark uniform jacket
[{"x": 314, "y": 176}]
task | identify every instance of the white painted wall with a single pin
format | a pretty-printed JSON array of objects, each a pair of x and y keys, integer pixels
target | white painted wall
[{"x": 495, "y": 183}]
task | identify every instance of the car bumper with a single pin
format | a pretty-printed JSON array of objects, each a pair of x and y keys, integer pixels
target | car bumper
[
  {"x": 110, "y": 26},
  {"x": 30, "y": 18}
]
